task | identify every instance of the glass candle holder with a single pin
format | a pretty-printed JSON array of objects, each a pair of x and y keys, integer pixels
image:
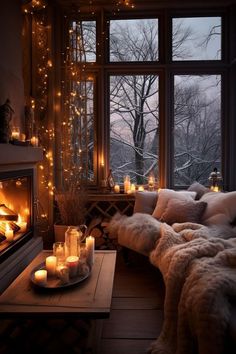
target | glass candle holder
[{"x": 59, "y": 252}]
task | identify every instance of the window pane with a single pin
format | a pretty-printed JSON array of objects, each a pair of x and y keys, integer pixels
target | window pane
[
  {"x": 83, "y": 41},
  {"x": 196, "y": 38},
  {"x": 134, "y": 40},
  {"x": 134, "y": 127},
  {"x": 197, "y": 127},
  {"x": 78, "y": 132}
]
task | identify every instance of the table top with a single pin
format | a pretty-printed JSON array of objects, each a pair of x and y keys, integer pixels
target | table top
[{"x": 89, "y": 298}]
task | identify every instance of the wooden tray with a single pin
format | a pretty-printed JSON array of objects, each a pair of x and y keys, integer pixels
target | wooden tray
[{"x": 53, "y": 282}]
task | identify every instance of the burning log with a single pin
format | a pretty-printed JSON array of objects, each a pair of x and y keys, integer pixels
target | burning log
[{"x": 6, "y": 214}]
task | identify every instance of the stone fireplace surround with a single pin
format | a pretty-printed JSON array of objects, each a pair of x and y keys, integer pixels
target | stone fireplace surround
[{"x": 16, "y": 158}]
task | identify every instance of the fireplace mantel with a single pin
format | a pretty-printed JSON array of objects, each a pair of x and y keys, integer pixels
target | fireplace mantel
[{"x": 14, "y": 154}]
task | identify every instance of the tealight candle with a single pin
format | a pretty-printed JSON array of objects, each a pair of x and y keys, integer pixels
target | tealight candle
[
  {"x": 90, "y": 243},
  {"x": 51, "y": 264},
  {"x": 141, "y": 188},
  {"x": 15, "y": 134},
  {"x": 116, "y": 188},
  {"x": 40, "y": 277},
  {"x": 34, "y": 140},
  {"x": 72, "y": 263}
]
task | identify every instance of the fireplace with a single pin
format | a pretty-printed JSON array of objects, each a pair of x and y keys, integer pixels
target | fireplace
[
  {"x": 16, "y": 210},
  {"x": 19, "y": 242}
]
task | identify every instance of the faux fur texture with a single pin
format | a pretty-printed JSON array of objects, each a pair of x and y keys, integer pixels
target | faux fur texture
[
  {"x": 198, "y": 268},
  {"x": 138, "y": 232}
]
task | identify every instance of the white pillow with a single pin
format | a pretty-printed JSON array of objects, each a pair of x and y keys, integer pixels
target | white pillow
[
  {"x": 221, "y": 208},
  {"x": 164, "y": 195}
]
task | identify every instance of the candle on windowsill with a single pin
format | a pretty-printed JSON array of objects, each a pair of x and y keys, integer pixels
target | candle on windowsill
[
  {"x": 90, "y": 243},
  {"x": 126, "y": 184},
  {"x": 132, "y": 188},
  {"x": 116, "y": 188},
  {"x": 40, "y": 277},
  {"x": 72, "y": 263},
  {"x": 51, "y": 264},
  {"x": 141, "y": 188}
]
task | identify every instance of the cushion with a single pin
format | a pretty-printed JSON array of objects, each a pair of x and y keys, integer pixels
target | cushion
[
  {"x": 181, "y": 211},
  {"x": 199, "y": 189},
  {"x": 221, "y": 208},
  {"x": 164, "y": 195},
  {"x": 145, "y": 202}
]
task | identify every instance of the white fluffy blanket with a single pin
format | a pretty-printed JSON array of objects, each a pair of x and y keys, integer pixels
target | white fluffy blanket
[{"x": 199, "y": 272}]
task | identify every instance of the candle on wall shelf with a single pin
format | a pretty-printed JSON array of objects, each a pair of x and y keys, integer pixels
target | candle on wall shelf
[
  {"x": 151, "y": 182},
  {"x": 72, "y": 263},
  {"x": 90, "y": 243},
  {"x": 40, "y": 277},
  {"x": 51, "y": 264},
  {"x": 116, "y": 188},
  {"x": 34, "y": 141},
  {"x": 15, "y": 133},
  {"x": 9, "y": 233}
]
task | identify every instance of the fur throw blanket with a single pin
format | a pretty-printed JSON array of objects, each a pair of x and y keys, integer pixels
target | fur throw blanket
[
  {"x": 199, "y": 270},
  {"x": 138, "y": 232}
]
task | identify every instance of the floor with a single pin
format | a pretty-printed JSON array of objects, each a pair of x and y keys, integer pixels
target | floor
[
  {"x": 135, "y": 320},
  {"x": 137, "y": 307}
]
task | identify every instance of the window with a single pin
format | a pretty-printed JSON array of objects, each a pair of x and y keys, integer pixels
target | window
[
  {"x": 132, "y": 116},
  {"x": 134, "y": 122},
  {"x": 196, "y": 38},
  {"x": 134, "y": 40},
  {"x": 197, "y": 127}
]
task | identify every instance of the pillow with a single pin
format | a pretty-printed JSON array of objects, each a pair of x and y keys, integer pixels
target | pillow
[
  {"x": 145, "y": 202},
  {"x": 199, "y": 189},
  {"x": 181, "y": 211},
  {"x": 221, "y": 208},
  {"x": 164, "y": 195}
]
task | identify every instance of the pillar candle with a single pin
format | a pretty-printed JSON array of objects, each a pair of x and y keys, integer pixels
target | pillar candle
[
  {"x": 51, "y": 264},
  {"x": 72, "y": 263},
  {"x": 90, "y": 242},
  {"x": 40, "y": 277}
]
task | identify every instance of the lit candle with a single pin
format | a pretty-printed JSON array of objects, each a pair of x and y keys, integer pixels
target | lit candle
[
  {"x": 63, "y": 273},
  {"x": 9, "y": 233},
  {"x": 151, "y": 182},
  {"x": 59, "y": 252},
  {"x": 216, "y": 189},
  {"x": 40, "y": 277},
  {"x": 15, "y": 134},
  {"x": 72, "y": 263},
  {"x": 90, "y": 243},
  {"x": 34, "y": 141},
  {"x": 141, "y": 188},
  {"x": 116, "y": 188},
  {"x": 22, "y": 137},
  {"x": 132, "y": 188},
  {"x": 51, "y": 264},
  {"x": 126, "y": 184}
]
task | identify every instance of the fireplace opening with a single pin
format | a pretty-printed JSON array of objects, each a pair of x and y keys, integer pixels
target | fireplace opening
[{"x": 16, "y": 210}]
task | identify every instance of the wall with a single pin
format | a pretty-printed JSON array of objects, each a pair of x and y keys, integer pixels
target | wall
[{"x": 11, "y": 78}]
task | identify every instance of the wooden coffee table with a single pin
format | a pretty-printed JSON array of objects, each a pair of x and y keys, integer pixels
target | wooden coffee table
[{"x": 90, "y": 298}]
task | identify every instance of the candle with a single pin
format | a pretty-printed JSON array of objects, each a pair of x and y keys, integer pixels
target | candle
[
  {"x": 22, "y": 137},
  {"x": 72, "y": 263},
  {"x": 216, "y": 189},
  {"x": 9, "y": 233},
  {"x": 59, "y": 252},
  {"x": 15, "y": 134},
  {"x": 63, "y": 273},
  {"x": 116, "y": 188},
  {"x": 90, "y": 242},
  {"x": 51, "y": 264},
  {"x": 40, "y": 277},
  {"x": 141, "y": 188},
  {"x": 34, "y": 140},
  {"x": 126, "y": 184},
  {"x": 132, "y": 188}
]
